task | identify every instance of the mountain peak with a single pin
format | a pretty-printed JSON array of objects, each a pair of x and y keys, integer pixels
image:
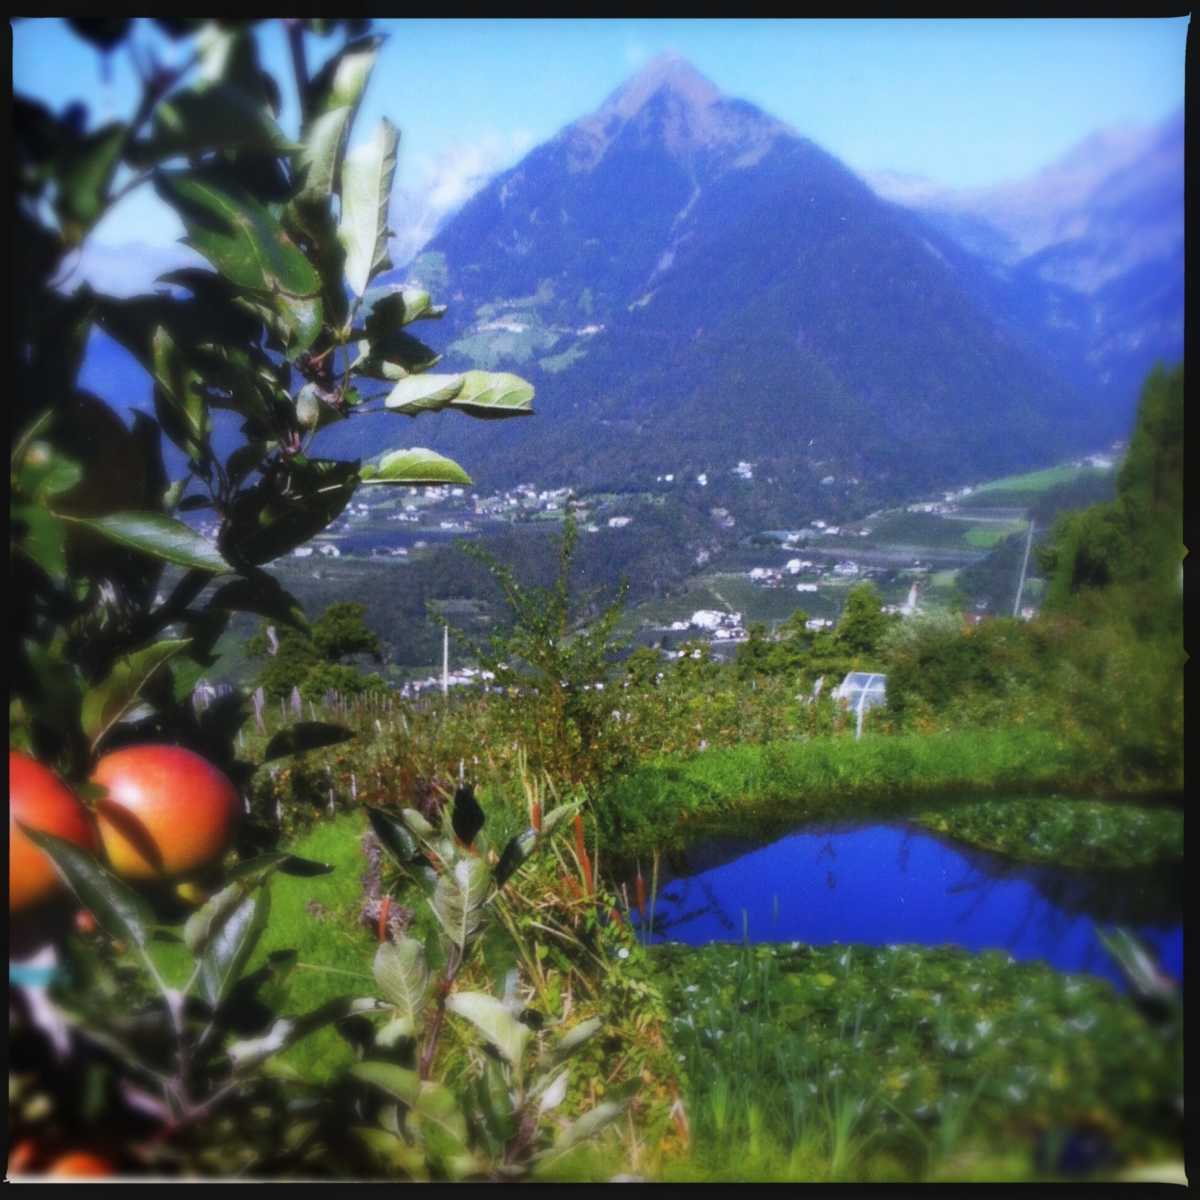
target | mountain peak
[
  {"x": 667, "y": 71},
  {"x": 670, "y": 100}
]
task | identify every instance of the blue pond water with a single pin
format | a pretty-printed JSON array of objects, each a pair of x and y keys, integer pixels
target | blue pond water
[{"x": 894, "y": 883}]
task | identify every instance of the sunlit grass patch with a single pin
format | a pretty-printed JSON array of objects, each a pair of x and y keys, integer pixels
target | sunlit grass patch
[
  {"x": 672, "y": 801},
  {"x": 1062, "y": 831},
  {"x": 986, "y": 536}
]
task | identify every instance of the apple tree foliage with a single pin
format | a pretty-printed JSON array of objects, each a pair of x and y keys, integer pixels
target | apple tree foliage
[{"x": 118, "y": 602}]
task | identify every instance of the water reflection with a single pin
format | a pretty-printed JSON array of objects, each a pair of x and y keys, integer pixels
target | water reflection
[{"x": 895, "y": 883}]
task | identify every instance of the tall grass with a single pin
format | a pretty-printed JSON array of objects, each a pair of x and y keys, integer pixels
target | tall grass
[
  {"x": 759, "y": 1106},
  {"x": 879, "y": 1064},
  {"x": 833, "y": 778}
]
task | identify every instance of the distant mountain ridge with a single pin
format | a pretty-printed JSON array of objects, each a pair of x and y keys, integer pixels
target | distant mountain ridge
[
  {"x": 1105, "y": 222},
  {"x": 690, "y": 283}
]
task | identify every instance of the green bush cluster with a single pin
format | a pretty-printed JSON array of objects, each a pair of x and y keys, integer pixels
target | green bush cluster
[{"x": 311, "y": 661}]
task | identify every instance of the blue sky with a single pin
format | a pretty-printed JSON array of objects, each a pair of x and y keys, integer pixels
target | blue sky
[{"x": 964, "y": 102}]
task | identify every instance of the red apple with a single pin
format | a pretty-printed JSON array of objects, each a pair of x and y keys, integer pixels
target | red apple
[
  {"x": 167, "y": 812},
  {"x": 39, "y": 799}
]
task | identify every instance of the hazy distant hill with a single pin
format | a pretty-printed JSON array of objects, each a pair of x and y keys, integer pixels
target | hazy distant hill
[
  {"x": 691, "y": 283},
  {"x": 1104, "y": 225}
]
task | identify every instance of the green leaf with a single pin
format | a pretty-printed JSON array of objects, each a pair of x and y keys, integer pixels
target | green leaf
[
  {"x": 159, "y": 536},
  {"x": 394, "y": 1151},
  {"x": 179, "y": 398},
  {"x": 316, "y": 223},
  {"x": 118, "y": 909},
  {"x": 334, "y": 95},
  {"x": 458, "y": 899},
  {"x": 45, "y": 473},
  {"x": 493, "y": 1019},
  {"x": 554, "y": 1093},
  {"x": 342, "y": 80},
  {"x": 41, "y": 471},
  {"x": 211, "y": 116},
  {"x": 394, "y": 356},
  {"x": 393, "y": 835},
  {"x": 262, "y": 865},
  {"x": 556, "y": 816},
  {"x": 185, "y": 674},
  {"x": 244, "y": 461},
  {"x": 403, "y": 977},
  {"x": 386, "y": 309},
  {"x": 85, "y": 173},
  {"x": 259, "y": 592},
  {"x": 238, "y": 235},
  {"x": 442, "y": 1126},
  {"x": 367, "y": 176},
  {"x": 320, "y": 158},
  {"x": 266, "y": 523},
  {"x": 287, "y": 1031},
  {"x": 495, "y": 1104},
  {"x": 415, "y": 394},
  {"x": 415, "y": 468},
  {"x": 202, "y": 926},
  {"x": 515, "y": 853},
  {"x": 56, "y": 696},
  {"x": 403, "y": 1084},
  {"x": 297, "y": 321},
  {"x": 305, "y": 735},
  {"x": 42, "y": 538},
  {"x": 417, "y": 823},
  {"x": 110, "y": 700},
  {"x": 585, "y": 1127},
  {"x": 232, "y": 943},
  {"x": 572, "y": 1040},
  {"x": 229, "y": 56},
  {"x": 210, "y": 318},
  {"x": 494, "y": 395}
]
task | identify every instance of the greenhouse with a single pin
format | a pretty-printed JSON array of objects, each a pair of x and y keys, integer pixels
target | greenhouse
[{"x": 861, "y": 690}]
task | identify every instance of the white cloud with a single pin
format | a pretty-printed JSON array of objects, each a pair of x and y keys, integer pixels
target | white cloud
[
  {"x": 117, "y": 261},
  {"x": 445, "y": 182},
  {"x": 125, "y": 269}
]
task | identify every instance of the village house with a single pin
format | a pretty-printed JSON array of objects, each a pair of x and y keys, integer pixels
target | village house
[{"x": 713, "y": 619}]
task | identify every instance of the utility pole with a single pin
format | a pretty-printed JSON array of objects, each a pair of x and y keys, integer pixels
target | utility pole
[
  {"x": 1024, "y": 565},
  {"x": 445, "y": 660}
]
